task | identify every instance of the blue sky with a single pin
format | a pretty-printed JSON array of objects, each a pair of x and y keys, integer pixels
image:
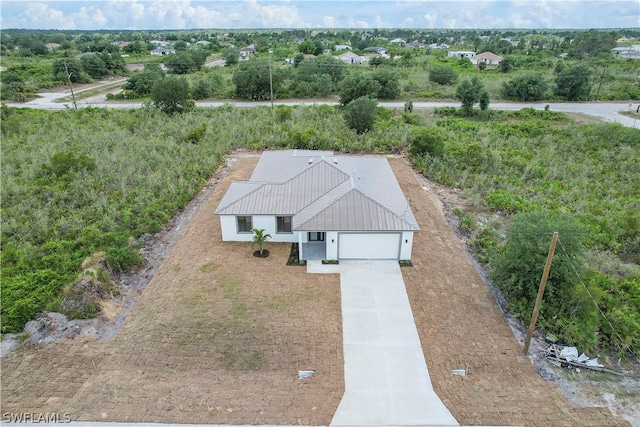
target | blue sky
[{"x": 209, "y": 14}]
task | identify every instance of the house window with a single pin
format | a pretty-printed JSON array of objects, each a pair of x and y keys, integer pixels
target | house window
[
  {"x": 316, "y": 236},
  {"x": 283, "y": 224},
  {"x": 244, "y": 224}
]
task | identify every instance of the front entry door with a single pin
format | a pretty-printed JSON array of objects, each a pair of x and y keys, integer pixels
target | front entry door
[{"x": 316, "y": 236}]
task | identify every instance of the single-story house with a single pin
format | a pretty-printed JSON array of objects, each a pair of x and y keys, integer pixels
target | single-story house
[
  {"x": 461, "y": 54},
  {"x": 629, "y": 52},
  {"x": 160, "y": 43},
  {"x": 159, "y": 51},
  {"x": 52, "y": 46},
  {"x": 342, "y": 47},
  {"x": 377, "y": 49},
  {"x": 247, "y": 52},
  {"x": 488, "y": 58},
  {"x": 415, "y": 45},
  {"x": 350, "y": 58},
  {"x": 334, "y": 206}
]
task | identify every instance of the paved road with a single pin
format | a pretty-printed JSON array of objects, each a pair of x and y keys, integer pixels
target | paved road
[{"x": 607, "y": 111}]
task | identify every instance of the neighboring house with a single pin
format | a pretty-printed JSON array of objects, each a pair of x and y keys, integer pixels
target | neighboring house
[
  {"x": 438, "y": 46},
  {"x": 415, "y": 45},
  {"x": 52, "y": 46},
  {"x": 342, "y": 47},
  {"x": 629, "y": 52},
  {"x": 461, "y": 54},
  {"x": 383, "y": 51},
  {"x": 160, "y": 43},
  {"x": 488, "y": 58},
  {"x": 159, "y": 51},
  {"x": 350, "y": 58},
  {"x": 333, "y": 206},
  {"x": 247, "y": 52},
  {"x": 400, "y": 42}
]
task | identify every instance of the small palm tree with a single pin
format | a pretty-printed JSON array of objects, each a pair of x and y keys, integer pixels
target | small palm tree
[{"x": 259, "y": 237}]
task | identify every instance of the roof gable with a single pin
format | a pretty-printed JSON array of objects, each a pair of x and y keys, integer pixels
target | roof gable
[
  {"x": 288, "y": 197},
  {"x": 354, "y": 211}
]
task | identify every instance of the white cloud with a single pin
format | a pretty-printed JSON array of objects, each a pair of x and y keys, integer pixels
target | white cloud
[
  {"x": 271, "y": 15},
  {"x": 408, "y": 23},
  {"x": 329, "y": 22},
  {"x": 430, "y": 20},
  {"x": 185, "y": 14},
  {"x": 352, "y": 23},
  {"x": 40, "y": 15}
]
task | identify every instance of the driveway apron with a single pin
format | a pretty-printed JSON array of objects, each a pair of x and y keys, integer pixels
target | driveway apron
[{"x": 386, "y": 376}]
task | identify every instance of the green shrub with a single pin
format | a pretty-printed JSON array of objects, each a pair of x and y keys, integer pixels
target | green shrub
[
  {"x": 503, "y": 201},
  {"x": 122, "y": 259},
  {"x": 426, "y": 140},
  {"x": 443, "y": 75},
  {"x": 195, "y": 135},
  {"x": 518, "y": 267}
]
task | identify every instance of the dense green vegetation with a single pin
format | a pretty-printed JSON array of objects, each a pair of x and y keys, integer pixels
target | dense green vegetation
[
  {"x": 563, "y": 64},
  {"x": 89, "y": 184}
]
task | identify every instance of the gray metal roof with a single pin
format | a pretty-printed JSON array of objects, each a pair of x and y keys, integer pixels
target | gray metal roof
[{"x": 323, "y": 191}]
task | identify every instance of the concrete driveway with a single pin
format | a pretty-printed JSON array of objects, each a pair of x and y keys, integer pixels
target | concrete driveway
[{"x": 386, "y": 376}]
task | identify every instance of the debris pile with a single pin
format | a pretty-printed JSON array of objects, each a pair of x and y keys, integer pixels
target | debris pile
[{"x": 567, "y": 357}]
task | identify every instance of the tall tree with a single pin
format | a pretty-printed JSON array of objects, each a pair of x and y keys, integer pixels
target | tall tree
[
  {"x": 231, "y": 56},
  {"x": 573, "y": 84},
  {"x": 171, "y": 95},
  {"x": 517, "y": 269},
  {"x": 360, "y": 114},
  {"x": 470, "y": 92},
  {"x": 525, "y": 87},
  {"x": 255, "y": 78},
  {"x": 356, "y": 86}
]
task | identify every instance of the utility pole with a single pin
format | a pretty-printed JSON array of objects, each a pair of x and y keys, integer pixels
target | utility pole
[
  {"x": 543, "y": 283},
  {"x": 270, "y": 82},
  {"x": 600, "y": 84},
  {"x": 66, "y": 69}
]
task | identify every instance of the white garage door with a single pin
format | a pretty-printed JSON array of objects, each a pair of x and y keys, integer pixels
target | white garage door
[{"x": 368, "y": 245}]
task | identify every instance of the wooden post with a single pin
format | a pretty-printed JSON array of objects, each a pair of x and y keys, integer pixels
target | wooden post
[
  {"x": 73, "y": 96},
  {"x": 543, "y": 283},
  {"x": 270, "y": 82}
]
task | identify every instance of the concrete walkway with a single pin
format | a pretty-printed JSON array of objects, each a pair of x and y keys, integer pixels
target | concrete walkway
[{"x": 386, "y": 376}]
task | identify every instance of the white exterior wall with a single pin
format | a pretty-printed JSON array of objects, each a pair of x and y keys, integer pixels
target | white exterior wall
[
  {"x": 268, "y": 222},
  {"x": 406, "y": 244}
]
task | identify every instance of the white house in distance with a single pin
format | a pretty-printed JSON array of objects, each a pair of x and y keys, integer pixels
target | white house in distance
[
  {"x": 461, "y": 54},
  {"x": 334, "y": 206},
  {"x": 349, "y": 57},
  {"x": 488, "y": 58}
]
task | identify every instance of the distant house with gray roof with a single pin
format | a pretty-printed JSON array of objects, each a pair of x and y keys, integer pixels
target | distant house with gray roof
[
  {"x": 160, "y": 51},
  {"x": 333, "y": 206},
  {"x": 488, "y": 58},
  {"x": 349, "y": 57}
]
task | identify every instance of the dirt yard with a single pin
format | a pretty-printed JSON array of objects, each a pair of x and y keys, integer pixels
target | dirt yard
[{"x": 218, "y": 336}]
